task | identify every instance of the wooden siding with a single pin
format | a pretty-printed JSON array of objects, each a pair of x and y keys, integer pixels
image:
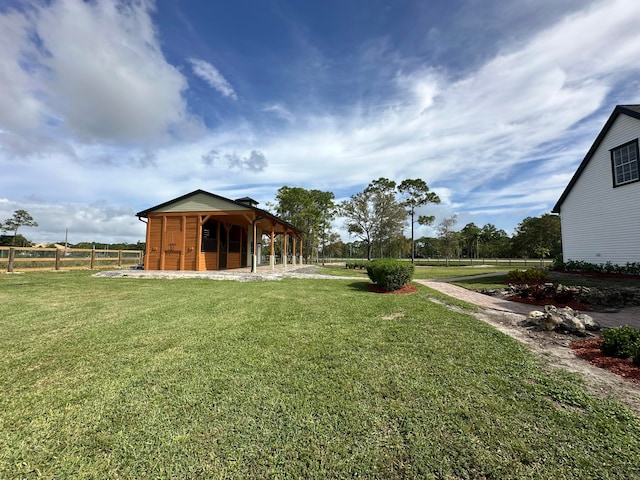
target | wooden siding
[
  {"x": 234, "y": 260},
  {"x": 208, "y": 261},
  {"x": 190, "y": 243},
  {"x": 201, "y": 203},
  {"x": 601, "y": 223},
  {"x": 152, "y": 258}
]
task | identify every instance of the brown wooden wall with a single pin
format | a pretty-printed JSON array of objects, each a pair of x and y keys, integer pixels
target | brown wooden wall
[
  {"x": 190, "y": 243},
  {"x": 154, "y": 240},
  {"x": 173, "y": 243}
]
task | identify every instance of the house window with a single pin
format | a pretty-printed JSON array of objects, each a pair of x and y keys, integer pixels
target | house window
[
  {"x": 210, "y": 236},
  {"x": 624, "y": 162}
]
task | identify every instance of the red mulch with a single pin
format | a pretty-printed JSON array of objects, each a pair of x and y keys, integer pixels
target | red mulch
[
  {"x": 589, "y": 350},
  {"x": 581, "y": 307},
  {"x": 405, "y": 289}
]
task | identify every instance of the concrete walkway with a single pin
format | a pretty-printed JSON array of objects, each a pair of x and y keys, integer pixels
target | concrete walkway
[
  {"x": 625, "y": 316},
  {"x": 264, "y": 273}
]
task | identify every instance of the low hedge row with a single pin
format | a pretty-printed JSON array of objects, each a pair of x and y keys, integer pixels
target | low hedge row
[
  {"x": 356, "y": 264},
  {"x": 532, "y": 275},
  {"x": 630, "y": 268},
  {"x": 390, "y": 274}
]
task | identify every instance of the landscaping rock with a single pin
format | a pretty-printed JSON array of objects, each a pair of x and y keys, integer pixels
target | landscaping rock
[{"x": 562, "y": 319}]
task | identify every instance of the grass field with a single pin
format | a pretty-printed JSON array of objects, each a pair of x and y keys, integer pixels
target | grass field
[{"x": 132, "y": 378}]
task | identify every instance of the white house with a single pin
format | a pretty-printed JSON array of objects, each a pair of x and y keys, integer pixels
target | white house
[{"x": 600, "y": 208}]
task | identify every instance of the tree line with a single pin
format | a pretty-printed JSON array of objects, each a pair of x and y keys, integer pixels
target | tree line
[
  {"x": 376, "y": 219},
  {"x": 377, "y": 216}
]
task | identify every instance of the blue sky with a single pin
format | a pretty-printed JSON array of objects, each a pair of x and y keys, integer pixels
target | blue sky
[{"x": 108, "y": 108}]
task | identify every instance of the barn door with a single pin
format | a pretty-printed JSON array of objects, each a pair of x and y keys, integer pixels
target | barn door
[{"x": 172, "y": 243}]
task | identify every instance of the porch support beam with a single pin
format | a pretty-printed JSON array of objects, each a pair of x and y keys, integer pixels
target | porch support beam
[
  {"x": 284, "y": 248},
  {"x": 293, "y": 250},
  {"x": 272, "y": 248}
]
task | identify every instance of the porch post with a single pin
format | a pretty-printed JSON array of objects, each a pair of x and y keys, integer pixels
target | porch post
[
  {"x": 272, "y": 248},
  {"x": 301, "y": 262},
  {"x": 293, "y": 251},
  {"x": 199, "y": 242},
  {"x": 254, "y": 254},
  {"x": 284, "y": 249}
]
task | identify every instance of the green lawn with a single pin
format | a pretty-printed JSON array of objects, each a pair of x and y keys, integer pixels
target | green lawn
[{"x": 136, "y": 379}]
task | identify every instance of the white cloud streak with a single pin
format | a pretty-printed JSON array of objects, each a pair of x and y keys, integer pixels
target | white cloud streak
[{"x": 213, "y": 77}]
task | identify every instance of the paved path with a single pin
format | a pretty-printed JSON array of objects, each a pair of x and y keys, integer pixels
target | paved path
[{"x": 626, "y": 316}]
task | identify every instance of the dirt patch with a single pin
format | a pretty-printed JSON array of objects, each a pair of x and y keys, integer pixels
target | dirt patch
[{"x": 404, "y": 290}]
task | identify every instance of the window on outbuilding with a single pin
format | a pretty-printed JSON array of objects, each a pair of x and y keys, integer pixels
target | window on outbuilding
[
  {"x": 624, "y": 163},
  {"x": 235, "y": 239},
  {"x": 210, "y": 236}
]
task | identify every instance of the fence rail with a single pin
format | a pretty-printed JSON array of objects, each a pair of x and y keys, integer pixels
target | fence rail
[{"x": 14, "y": 259}]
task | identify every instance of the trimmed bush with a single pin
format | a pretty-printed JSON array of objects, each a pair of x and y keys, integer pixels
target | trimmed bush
[
  {"x": 531, "y": 276},
  {"x": 390, "y": 274},
  {"x": 355, "y": 264},
  {"x": 622, "y": 342}
]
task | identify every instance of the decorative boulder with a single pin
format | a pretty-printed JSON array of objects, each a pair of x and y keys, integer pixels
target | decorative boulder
[{"x": 567, "y": 319}]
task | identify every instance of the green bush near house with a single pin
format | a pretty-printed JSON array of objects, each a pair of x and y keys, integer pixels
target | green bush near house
[
  {"x": 532, "y": 275},
  {"x": 622, "y": 342},
  {"x": 390, "y": 274}
]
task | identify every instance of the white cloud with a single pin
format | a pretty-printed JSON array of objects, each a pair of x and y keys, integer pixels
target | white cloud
[
  {"x": 213, "y": 77},
  {"x": 281, "y": 112},
  {"x": 88, "y": 71}
]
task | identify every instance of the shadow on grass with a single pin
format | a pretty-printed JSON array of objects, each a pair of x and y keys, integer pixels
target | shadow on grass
[{"x": 360, "y": 286}]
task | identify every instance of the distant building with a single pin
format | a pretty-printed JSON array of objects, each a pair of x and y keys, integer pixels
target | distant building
[{"x": 203, "y": 231}]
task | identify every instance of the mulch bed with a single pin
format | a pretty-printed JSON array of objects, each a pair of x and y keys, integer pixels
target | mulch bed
[
  {"x": 406, "y": 289},
  {"x": 589, "y": 350},
  {"x": 581, "y": 307}
]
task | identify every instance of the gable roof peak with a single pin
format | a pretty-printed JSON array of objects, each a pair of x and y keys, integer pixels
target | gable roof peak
[{"x": 632, "y": 110}]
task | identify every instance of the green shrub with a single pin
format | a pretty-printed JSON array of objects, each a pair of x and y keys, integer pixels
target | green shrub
[
  {"x": 630, "y": 268},
  {"x": 622, "y": 342},
  {"x": 531, "y": 276},
  {"x": 355, "y": 264},
  {"x": 390, "y": 274}
]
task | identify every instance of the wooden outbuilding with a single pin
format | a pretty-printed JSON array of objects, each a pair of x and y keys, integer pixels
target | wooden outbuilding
[{"x": 203, "y": 231}]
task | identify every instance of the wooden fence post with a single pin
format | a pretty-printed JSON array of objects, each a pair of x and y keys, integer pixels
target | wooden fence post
[
  {"x": 119, "y": 258},
  {"x": 12, "y": 254},
  {"x": 57, "y": 265},
  {"x": 93, "y": 258}
]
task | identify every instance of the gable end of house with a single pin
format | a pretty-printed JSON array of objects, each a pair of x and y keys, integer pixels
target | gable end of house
[{"x": 630, "y": 110}]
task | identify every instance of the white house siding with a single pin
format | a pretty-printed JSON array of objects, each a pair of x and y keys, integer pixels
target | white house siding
[{"x": 600, "y": 223}]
